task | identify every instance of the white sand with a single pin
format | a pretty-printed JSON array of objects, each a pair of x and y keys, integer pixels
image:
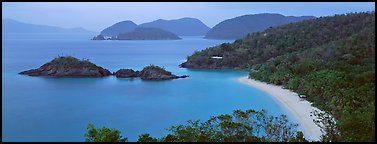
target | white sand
[{"x": 300, "y": 109}]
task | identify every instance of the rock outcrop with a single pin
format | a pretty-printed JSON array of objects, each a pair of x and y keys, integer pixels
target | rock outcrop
[
  {"x": 126, "y": 73},
  {"x": 99, "y": 37},
  {"x": 156, "y": 73},
  {"x": 73, "y": 67}
]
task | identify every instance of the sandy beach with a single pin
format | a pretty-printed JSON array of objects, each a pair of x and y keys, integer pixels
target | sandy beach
[{"x": 300, "y": 109}]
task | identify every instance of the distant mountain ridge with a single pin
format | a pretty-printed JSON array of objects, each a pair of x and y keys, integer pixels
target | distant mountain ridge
[
  {"x": 14, "y": 26},
  {"x": 181, "y": 27},
  {"x": 234, "y": 28},
  {"x": 118, "y": 28},
  {"x": 240, "y": 26}
]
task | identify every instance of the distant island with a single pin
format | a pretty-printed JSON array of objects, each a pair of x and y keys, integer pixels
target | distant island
[
  {"x": 151, "y": 72},
  {"x": 181, "y": 27},
  {"x": 239, "y": 27},
  {"x": 156, "y": 30},
  {"x": 142, "y": 34},
  {"x": 68, "y": 66},
  {"x": 99, "y": 37},
  {"x": 118, "y": 28},
  {"x": 147, "y": 34},
  {"x": 13, "y": 26}
]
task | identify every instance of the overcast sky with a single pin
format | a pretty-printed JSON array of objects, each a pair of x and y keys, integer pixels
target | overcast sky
[{"x": 96, "y": 16}]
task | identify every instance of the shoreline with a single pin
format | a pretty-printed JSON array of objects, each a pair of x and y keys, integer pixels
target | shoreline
[{"x": 289, "y": 100}]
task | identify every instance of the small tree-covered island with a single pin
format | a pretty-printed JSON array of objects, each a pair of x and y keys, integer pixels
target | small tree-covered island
[
  {"x": 151, "y": 72},
  {"x": 142, "y": 33},
  {"x": 68, "y": 66}
]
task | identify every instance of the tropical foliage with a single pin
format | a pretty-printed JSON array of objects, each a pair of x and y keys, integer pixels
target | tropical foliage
[
  {"x": 71, "y": 62},
  {"x": 103, "y": 135},
  {"x": 155, "y": 68},
  {"x": 331, "y": 60},
  {"x": 241, "y": 126}
]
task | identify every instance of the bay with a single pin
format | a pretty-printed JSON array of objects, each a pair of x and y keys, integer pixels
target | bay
[{"x": 59, "y": 109}]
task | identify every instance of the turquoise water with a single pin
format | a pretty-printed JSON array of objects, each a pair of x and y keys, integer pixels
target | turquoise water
[{"x": 59, "y": 109}]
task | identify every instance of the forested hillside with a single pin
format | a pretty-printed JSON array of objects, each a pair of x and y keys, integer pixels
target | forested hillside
[
  {"x": 328, "y": 59},
  {"x": 239, "y": 27}
]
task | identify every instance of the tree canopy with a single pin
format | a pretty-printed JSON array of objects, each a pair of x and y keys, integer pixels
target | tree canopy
[
  {"x": 331, "y": 60},
  {"x": 241, "y": 126}
]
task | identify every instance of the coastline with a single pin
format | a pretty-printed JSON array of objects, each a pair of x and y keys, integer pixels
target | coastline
[{"x": 300, "y": 109}]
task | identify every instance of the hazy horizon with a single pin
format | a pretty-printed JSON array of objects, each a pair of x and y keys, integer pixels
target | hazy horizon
[{"x": 96, "y": 16}]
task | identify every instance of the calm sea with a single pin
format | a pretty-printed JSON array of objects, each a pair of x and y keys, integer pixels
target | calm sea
[{"x": 59, "y": 109}]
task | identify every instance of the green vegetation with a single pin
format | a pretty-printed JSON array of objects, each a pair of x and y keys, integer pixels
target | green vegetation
[
  {"x": 72, "y": 62},
  {"x": 146, "y": 138},
  {"x": 259, "y": 47},
  {"x": 331, "y": 60},
  {"x": 103, "y": 135},
  {"x": 154, "y": 68},
  {"x": 241, "y": 126}
]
